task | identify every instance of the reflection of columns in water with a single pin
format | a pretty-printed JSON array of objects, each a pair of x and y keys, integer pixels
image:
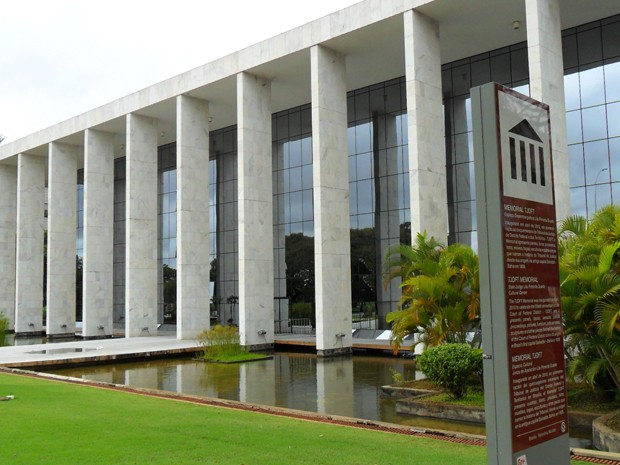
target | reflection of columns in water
[
  {"x": 101, "y": 376},
  {"x": 334, "y": 382},
  {"x": 257, "y": 383},
  {"x": 142, "y": 377},
  {"x": 296, "y": 381},
  {"x": 387, "y": 222},
  {"x": 189, "y": 379}
]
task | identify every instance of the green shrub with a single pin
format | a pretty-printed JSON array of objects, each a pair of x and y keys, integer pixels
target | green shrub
[
  {"x": 302, "y": 310},
  {"x": 220, "y": 342},
  {"x": 4, "y": 326},
  {"x": 450, "y": 366}
]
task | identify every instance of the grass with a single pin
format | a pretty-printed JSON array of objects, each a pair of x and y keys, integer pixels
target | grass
[
  {"x": 56, "y": 423},
  {"x": 237, "y": 357}
]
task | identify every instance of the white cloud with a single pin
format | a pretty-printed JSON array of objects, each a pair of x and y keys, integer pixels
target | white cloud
[{"x": 63, "y": 57}]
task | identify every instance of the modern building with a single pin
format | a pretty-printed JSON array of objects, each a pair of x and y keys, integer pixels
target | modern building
[{"x": 272, "y": 181}]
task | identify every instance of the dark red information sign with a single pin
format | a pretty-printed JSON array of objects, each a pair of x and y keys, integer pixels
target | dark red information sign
[
  {"x": 533, "y": 304},
  {"x": 535, "y": 336}
]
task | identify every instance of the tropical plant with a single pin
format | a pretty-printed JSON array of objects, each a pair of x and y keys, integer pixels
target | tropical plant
[
  {"x": 4, "y": 326},
  {"x": 451, "y": 366},
  {"x": 220, "y": 342},
  {"x": 590, "y": 285},
  {"x": 440, "y": 292}
]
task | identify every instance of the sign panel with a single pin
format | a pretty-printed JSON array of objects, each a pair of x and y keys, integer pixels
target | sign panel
[{"x": 522, "y": 319}]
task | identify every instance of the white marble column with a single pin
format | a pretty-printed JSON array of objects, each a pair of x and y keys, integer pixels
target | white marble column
[
  {"x": 193, "y": 260},
  {"x": 427, "y": 155},
  {"x": 8, "y": 230},
  {"x": 544, "y": 40},
  {"x": 254, "y": 154},
  {"x": 61, "y": 238},
  {"x": 29, "y": 243},
  {"x": 332, "y": 244},
  {"x": 97, "y": 300},
  {"x": 141, "y": 228}
]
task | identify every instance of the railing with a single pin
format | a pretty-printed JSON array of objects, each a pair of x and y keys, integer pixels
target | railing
[
  {"x": 366, "y": 323},
  {"x": 294, "y": 326}
]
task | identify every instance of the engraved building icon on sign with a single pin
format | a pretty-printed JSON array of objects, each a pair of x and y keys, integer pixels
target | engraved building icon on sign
[
  {"x": 525, "y": 151},
  {"x": 527, "y": 154}
]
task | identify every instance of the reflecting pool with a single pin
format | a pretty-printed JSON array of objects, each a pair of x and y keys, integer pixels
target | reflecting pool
[{"x": 348, "y": 386}]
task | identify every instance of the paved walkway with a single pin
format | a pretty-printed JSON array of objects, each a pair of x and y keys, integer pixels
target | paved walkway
[
  {"x": 94, "y": 351},
  {"x": 88, "y": 352}
]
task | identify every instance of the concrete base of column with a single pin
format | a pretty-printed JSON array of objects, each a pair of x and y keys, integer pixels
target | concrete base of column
[
  {"x": 259, "y": 347},
  {"x": 61, "y": 336},
  {"x": 92, "y": 338},
  {"x": 25, "y": 334},
  {"x": 342, "y": 351}
]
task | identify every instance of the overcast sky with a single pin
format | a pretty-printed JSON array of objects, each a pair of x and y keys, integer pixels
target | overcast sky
[{"x": 59, "y": 58}]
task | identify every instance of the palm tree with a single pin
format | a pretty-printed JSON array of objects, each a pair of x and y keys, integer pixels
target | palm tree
[
  {"x": 440, "y": 291},
  {"x": 590, "y": 285}
]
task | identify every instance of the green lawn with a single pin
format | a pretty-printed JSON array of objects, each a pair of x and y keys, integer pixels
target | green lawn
[{"x": 57, "y": 423}]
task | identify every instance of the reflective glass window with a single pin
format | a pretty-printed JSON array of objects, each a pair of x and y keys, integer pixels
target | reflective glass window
[
  {"x": 576, "y": 168},
  {"x": 594, "y": 121},
  {"x": 592, "y": 86},
  {"x": 571, "y": 91},
  {"x": 611, "y": 40},
  {"x": 613, "y": 119},
  {"x": 573, "y": 127},
  {"x": 578, "y": 200},
  {"x": 589, "y": 46},
  {"x": 614, "y": 158},
  {"x": 612, "y": 78},
  {"x": 596, "y": 162}
]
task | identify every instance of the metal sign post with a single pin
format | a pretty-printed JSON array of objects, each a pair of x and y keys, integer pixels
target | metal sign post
[{"x": 524, "y": 375}]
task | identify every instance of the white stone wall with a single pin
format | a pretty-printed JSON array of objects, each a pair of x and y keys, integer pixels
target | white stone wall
[
  {"x": 29, "y": 249},
  {"x": 544, "y": 40},
  {"x": 332, "y": 244},
  {"x": 141, "y": 228},
  {"x": 193, "y": 261},
  {"x": 8, "y": 229},
  {"x": 254, "y": 167},
  {"x": 427, "y": 155},
  {"x": 97, "y": 301},
  {"x": 61, "y": 238}
]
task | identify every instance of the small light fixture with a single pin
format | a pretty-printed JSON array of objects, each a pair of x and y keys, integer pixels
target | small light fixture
[
  {"x": 340, "y": 335},
  {"x": 63, "y": 326},
  {"x": 261, "y": 332},
  {"x": 516, "y": 24},
  {"x": 162, "y": 134},
  {"x": 100, "y": 327}
]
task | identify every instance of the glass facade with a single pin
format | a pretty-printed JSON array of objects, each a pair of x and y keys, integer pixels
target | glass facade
[
  {"x": 509, "y": 67},
  {"x": 293, "y": 213},
  {"x": 378, "y": 178},
  {"x": 167, "y": 233},
  {"x": 223, "y": 224},
  {"x": 379, "y": 191},
  {"x": 592, "y": 93},
  {"x": 119, "y": 241},
  {"x": 592, "y": 90},
  {"x": 79, "y": 245}
]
